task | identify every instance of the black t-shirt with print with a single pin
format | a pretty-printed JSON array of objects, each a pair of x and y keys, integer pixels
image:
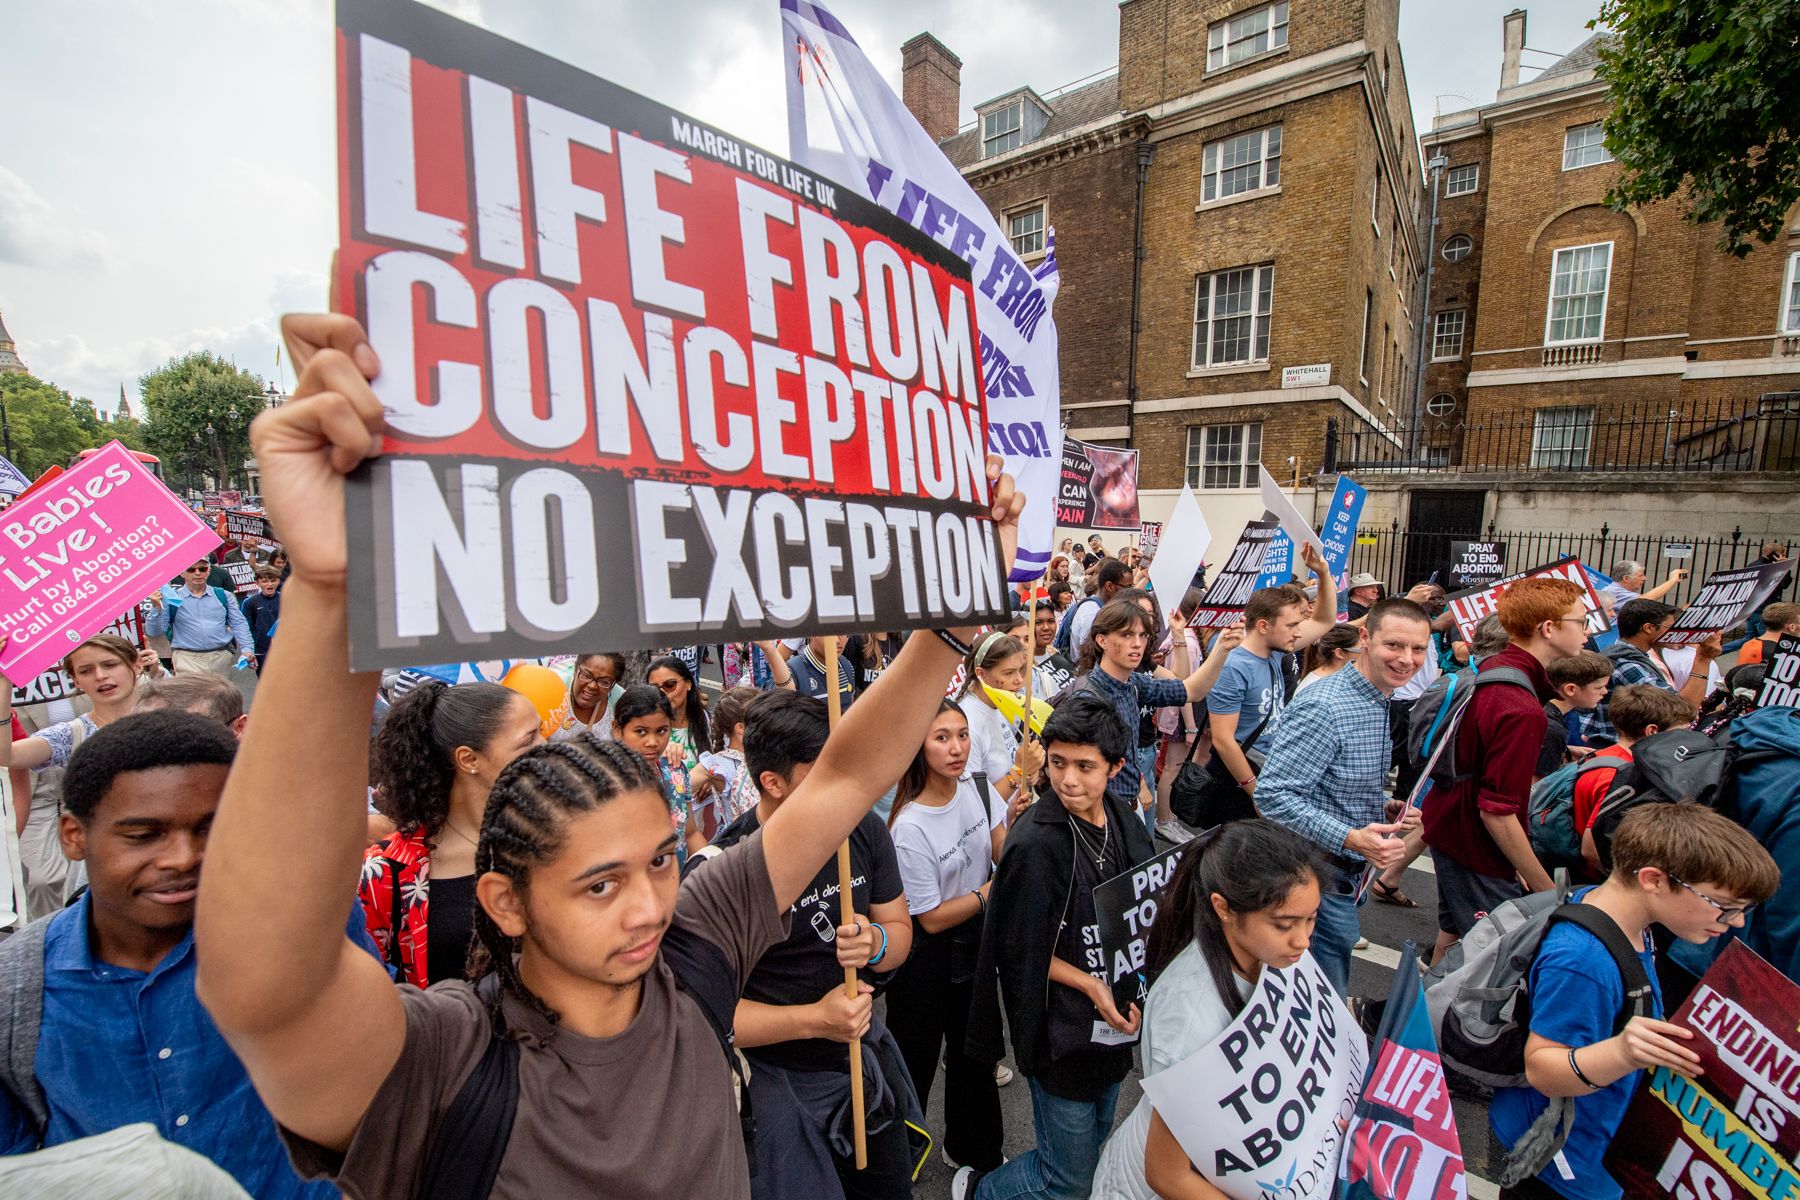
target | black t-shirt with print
[{"x": 804, "y": 967}]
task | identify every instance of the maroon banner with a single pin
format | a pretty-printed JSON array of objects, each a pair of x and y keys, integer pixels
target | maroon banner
[{"x": 1732, "y": 1132}]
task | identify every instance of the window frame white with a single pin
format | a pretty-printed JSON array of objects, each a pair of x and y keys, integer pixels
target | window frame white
[
  {"x": 1550, "y": 317},
  {"x": 1572, "y": 151},
  {"x": 1246, "y": 453},
  {"x": 1545, "y": 456},
  {"x": 1473, "y": 177},
  {"x": 1261, "y": 316},
  {"x": 1212, "y": 173},
  {"x": 1362, "y": 358},
  {"x": 1041, "y": 209},
  {"x": 1445, "y": 248},
  {"x": 1787, "y": 319},
  {"x": 1219, "y": 40},
  {"x": 1016, "y": 131},
  {"x": 1446, "y": 410},
  {"x": 1439, "y": 334}
]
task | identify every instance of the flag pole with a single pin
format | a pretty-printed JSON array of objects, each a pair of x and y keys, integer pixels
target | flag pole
[{"x": 834, "y": 707}]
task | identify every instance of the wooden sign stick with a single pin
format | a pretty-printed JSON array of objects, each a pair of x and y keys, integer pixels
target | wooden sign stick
[{"x": 834, "y": 707}]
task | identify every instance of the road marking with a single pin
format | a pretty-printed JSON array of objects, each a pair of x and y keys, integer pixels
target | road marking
[
  {"x": 1479, "y": 1188},
  {"x": 1423, "y": 863},
  {"x": 1382, "y": 956}
]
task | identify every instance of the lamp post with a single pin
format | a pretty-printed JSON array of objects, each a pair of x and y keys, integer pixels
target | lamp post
[{"x": 1436, "y": 166}]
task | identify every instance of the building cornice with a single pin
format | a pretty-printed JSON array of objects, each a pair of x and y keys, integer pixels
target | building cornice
[{"x": 1329, "y": 391}]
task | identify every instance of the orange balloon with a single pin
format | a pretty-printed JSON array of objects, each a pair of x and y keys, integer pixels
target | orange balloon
[{"x": 544, "y": 688}]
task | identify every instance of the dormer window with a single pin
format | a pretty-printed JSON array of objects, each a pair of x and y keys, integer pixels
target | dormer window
[
  {"x": 1002, "y": 129},
  {"x": 1247, "y": 35}
]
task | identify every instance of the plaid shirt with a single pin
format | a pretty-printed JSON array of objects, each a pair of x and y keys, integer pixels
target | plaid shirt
[
  {"x": 1626, "y": 672},
  {"x": 1327, "y": 767}
]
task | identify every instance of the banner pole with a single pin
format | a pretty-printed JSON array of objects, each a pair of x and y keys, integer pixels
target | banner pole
[
  {"x": 1030, "y": 673},
  {"x": 834, "y": 707}
]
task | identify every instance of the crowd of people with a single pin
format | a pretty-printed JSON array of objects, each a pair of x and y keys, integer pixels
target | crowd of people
[{"x": 447, "y": 943}]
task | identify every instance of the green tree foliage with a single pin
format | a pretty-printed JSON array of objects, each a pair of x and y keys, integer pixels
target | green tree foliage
[
  {"x": 48, "y": 426},
  {"x": 197, "y": 414},
  {"x": 1706, "y": 97}
]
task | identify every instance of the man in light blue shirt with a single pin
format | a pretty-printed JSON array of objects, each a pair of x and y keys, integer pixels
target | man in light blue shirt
[
  {"x": 98, "y": 1014},
  {"x": 1327, "y": 766},
  {"x": 205, "y": 627}
]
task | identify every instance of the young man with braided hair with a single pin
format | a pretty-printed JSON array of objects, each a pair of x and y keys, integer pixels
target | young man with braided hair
[{"x": 578, "y": 892}]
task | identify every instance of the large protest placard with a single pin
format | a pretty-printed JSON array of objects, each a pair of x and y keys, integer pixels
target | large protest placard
[
  {"x": 1475, "y": 565},
  {"x": 77, "y": 553},
  {"x": 1098, "y": 488},
  {"x": 1261, "y": 1112},
  {"x": 1470, "y": 606},
  {"x": 1731, "y": 1132},
  {"x": 1781, "y": 676},
  {"x": 1724, "y": 600},
  {"x": 1181, "y": 548},
  {"x": 845, "y": 122},
  {"x": 1229, "y": 591},
  {"x": 1336, "y": 534},
  {"x": 1402, "y": 1143},
  {"x": 643, "y": 382},
  {"x": 237, "y": 525},
  {"x": 53, "y": 683},
  {"x": 1125, "y": 908},
  {"x": 12, "y": 480}
]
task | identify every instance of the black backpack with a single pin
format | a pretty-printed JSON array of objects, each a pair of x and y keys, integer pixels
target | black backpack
[
  {"x": 1672, "y": 766},
  {"x": 471, "y": 1139}
]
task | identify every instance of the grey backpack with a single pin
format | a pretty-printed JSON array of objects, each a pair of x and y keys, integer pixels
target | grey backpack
[{"x": 1479, "y": 999}]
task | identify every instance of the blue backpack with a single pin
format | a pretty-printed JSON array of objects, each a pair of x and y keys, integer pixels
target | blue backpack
[
  {"x": 1554, "y": 838},
  {"x": 1063, "y": 630},
  {"x": 1762, "y": 793}
]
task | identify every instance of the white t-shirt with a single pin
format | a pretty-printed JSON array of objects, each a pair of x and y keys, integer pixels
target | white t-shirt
[
  {"x": 946, "y": 851},
  {"x": 993, "y": 742},
  {"x": 1182, "y": 1015}
]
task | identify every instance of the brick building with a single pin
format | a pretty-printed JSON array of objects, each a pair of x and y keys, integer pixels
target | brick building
[
  {"x": 1247, "y": 183},
  {"x": 1570, "y": 338}
]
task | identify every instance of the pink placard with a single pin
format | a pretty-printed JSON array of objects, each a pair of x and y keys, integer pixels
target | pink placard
[{"x": 78, "y": 551}]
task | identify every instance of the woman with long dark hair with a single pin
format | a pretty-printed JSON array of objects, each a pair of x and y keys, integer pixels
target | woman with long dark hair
[
  {"x": 1334, "y": 651},
  {"x": 436, "y": 758},
  {"x": 689, "y": 731},
  {"x": 997, "y": 660},
  {"x": 948, "y": 829},
  {"x": 1245, "y": 897}
]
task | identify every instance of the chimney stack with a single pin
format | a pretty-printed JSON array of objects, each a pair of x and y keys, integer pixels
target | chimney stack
[
  {"x": 931, "y": 84},
  {"x": 1512, "y": 41}
]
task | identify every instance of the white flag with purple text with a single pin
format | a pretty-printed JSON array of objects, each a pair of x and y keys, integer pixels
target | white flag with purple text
[{"x": 846, "y": 123}]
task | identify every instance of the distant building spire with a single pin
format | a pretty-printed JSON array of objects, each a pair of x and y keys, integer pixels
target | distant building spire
[
  {"x": 9, "y": 353},
  {"x": 123, "y": 412}
]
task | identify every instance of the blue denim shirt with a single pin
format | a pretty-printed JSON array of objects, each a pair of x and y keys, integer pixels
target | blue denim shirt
[
  {"x": 1127, "y": 697},
  {"x": 119, "y": 1046}
]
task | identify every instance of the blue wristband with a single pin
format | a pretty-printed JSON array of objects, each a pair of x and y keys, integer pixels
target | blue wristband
[{"x": 884, "y": 944}]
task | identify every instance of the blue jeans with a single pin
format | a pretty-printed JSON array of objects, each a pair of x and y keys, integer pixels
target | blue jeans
[
  {"x": 1334, "y": 937},
  {"x": 1146, "y": 764},
  {"x": 1069, "y": 1136}
]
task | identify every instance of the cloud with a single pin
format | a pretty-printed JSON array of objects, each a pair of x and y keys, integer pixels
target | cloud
[
  {"x": 34, "y": 234},
  {"x": 97, "y": 371}
]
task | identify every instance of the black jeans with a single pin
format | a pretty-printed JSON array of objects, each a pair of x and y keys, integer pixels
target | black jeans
[
  {"x": 927, "y": 1012},
  {"x": 1530, "y": 1189}
]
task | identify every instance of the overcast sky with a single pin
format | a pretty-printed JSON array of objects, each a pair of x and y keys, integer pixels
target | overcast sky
[{"x": 166, "y": 166}]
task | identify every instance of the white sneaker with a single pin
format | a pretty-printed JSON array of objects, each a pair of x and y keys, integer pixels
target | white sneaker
[
  {"x": 962, "y": 1185},
  {"x": 1175, "y": 830},
  {"x": 1362, "y": 943},
  {"x": 1002, "y": 1075}
]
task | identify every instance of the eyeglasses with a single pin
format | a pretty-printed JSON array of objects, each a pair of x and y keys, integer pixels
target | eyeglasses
[
  {"x": 1726, "y": 912},
  {"x": 669, "y": 686},
  {"x": 585, "y": 676}
]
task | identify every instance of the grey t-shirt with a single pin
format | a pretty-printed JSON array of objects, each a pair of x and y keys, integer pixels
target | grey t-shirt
[{"x": 649, "y": 1113}]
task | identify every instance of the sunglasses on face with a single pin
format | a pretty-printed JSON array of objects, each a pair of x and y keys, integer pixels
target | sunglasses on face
[{"x": 669, "y": 686}]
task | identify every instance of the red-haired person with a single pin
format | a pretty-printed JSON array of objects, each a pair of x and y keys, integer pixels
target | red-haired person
[{"x": 1476, "y": 826}]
